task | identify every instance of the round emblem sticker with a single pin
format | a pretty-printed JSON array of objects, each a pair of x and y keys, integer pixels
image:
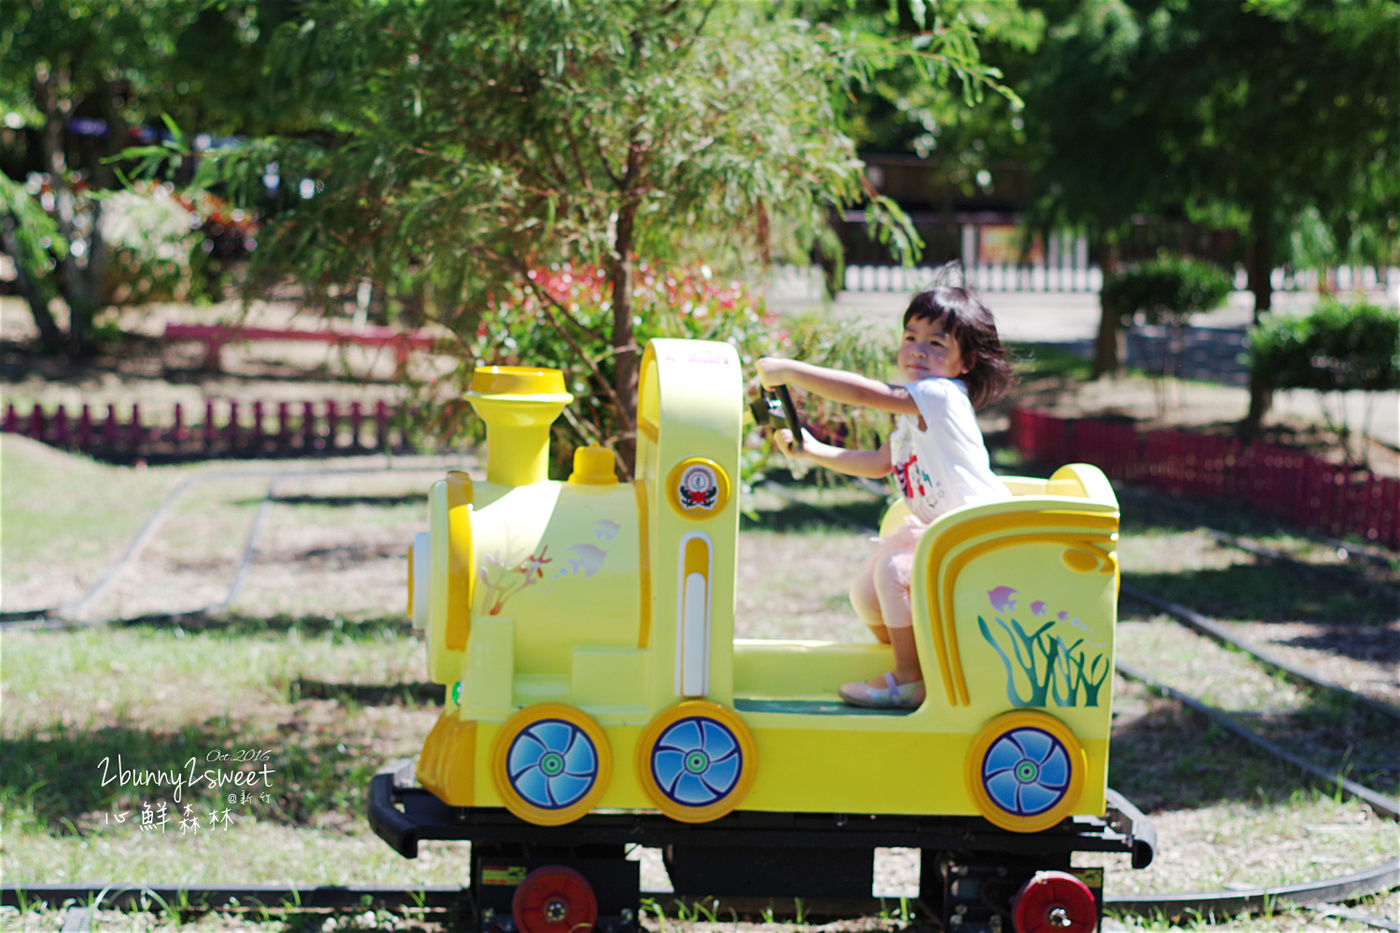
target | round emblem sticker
[{"x": 697, "y": 488}]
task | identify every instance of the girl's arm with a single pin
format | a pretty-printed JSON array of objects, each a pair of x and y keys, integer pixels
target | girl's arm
[
  {"x": 836, "y": 384},
  {"x": 874, "y": 464}
]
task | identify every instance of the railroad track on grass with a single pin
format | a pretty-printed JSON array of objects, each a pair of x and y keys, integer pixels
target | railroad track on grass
[
  {"x": 68, "y": 615},
  {"x": 82, "y": 902}
]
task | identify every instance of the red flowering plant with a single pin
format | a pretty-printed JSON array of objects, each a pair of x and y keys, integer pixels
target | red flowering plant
[
  {"x": 568, "y": 330},
  {"x": 562, "y": 317}
]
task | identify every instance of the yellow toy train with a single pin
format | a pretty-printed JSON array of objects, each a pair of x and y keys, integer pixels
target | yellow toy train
[{"x": 596, "y": 695}]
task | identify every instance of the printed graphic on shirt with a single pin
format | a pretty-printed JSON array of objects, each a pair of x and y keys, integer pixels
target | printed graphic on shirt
[{"x": 915, "y": 484}]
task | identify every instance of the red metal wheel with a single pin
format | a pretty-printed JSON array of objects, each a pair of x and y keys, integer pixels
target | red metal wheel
[
  {"x": 1054, "y": 902},
  {"x": 554, "y": 899}
]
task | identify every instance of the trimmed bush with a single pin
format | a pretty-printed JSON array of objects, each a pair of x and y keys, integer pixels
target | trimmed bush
[
  {"x": 1165, "y": 290},
  {"x": 1339, "y": 347}
]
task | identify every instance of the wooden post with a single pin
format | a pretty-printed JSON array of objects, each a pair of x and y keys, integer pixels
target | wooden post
[
  {"x": 85, "y": 428},
  {"x": 210, "y": 430},
  {"x": 60, "y": 427},
  {"x": 258, "y": 426},
  {"x": 36, "y": 423},
  {"x": 357, "y": 417},
  {"x": 308, "y": 426},
  {"x": 284, "y": 426},
  {"x": 109, "y": 428},
  {"x": 332, "y": 426},
  {"x": 381, "y": 425}
]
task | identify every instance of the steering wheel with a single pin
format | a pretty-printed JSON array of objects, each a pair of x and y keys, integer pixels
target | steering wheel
[{"x": 790, "y": 412}]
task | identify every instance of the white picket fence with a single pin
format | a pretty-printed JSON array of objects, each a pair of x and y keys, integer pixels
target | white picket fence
[{"x": 1048, "y": 277}]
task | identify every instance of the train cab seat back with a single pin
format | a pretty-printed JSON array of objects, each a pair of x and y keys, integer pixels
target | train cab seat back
[{"x": 1017, "y": 600}]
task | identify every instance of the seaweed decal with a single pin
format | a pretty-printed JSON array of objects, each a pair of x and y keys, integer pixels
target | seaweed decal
[{"x": 1046, "y": 666}]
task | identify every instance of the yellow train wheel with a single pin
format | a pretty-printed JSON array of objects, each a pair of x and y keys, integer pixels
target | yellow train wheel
[
  {"x": 551, "y": 763},
  {"x": 1025, "y": 771},
  {"x": 696, "y": 761}
]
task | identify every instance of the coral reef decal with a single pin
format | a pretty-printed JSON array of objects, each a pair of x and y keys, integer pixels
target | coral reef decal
[
  {"x": 1052, "y": 662},
  {"x": 509, "y": 570}
]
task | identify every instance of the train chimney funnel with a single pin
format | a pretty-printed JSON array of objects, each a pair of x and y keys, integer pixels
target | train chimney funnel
[{"x": 518, "y": 404}]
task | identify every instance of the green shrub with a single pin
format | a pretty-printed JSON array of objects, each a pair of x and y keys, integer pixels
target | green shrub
[
  {"x": 1339, "y": 347},
  {"x": 1165, "y": 290}
]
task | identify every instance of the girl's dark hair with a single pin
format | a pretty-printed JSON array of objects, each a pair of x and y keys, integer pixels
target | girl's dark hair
[{"x": 965, "y": 319}]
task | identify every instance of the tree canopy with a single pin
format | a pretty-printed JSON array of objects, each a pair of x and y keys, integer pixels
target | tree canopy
[
  {"x": 965, "y": 137},
  {"x": 1262, "y": 115},
  {"x": 77, "y": 78},
  {"x": 462, "y": 145}
]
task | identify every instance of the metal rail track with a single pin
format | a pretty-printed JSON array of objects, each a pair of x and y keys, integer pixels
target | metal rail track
[
  {"x": 1320, "y": 895},
  {"x": 1323, "y": 894},
  {"x": 1219, "y": 633}
]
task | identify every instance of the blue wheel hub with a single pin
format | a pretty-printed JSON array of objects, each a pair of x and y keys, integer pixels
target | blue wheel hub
[
  {"x": 552, "y": 764},
  {"x": 1026, "y": 771},
  {"x": 697, "y": 762}
]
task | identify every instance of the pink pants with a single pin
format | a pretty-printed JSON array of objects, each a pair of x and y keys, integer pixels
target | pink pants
[{"x": 880, "y": 594}]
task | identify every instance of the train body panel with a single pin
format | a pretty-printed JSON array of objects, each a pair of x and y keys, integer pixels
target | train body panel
[
  {"x": 689, "y": 414},
  {"x": 584, "y": 630},
  {"x": 557, "y": 559}
]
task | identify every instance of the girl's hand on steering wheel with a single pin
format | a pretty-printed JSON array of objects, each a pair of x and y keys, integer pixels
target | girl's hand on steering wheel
[
  {"x": 772, "y": 371},
  {"x": 783, "y": 437}
]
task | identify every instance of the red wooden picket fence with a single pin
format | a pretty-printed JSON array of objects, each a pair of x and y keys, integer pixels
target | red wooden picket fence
[
  {"x": 227, "y": 429},
  {"x": 1281, "y": 482}
]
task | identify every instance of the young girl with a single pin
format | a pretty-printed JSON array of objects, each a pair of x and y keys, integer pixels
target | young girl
[{"x": 953, "y": 361}]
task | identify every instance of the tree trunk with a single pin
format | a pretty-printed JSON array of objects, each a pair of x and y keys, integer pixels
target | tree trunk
[
  {"x": 626, "y": 361},
  {"x": 1261, "y": 260},
  {"x": 1109, "y": 345},
  {"x": 626, "y": 356},
  {"x": 1261, "y": 398},
  {"x": 50, "y": 337},
  {"x": 48, "y": 95},
  {"x": 1261, "y": 267}
]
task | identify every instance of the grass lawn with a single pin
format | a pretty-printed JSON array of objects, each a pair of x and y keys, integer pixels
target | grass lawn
[{"x": 86, "y": 712}]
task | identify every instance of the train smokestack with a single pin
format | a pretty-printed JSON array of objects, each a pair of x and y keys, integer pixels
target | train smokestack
[{"x": 518, "y": 404}]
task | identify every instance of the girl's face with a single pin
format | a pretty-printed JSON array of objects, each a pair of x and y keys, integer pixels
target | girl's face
[{"x": 927, "y": 350}]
